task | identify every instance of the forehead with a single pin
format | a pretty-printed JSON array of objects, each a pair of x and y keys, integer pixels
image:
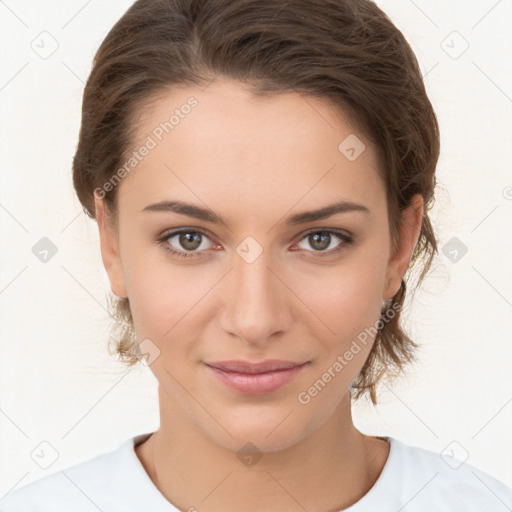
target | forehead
[{"x": 250, "y": 150}]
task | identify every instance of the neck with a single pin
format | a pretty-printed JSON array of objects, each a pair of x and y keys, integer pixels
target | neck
[{"x": 329, "y": 470}]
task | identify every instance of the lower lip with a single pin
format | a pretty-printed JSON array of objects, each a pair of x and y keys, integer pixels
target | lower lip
[{"x": 256, "y": 383}]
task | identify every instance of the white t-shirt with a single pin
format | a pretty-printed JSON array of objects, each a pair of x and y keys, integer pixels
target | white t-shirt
[{"x": 412, "y": 480}]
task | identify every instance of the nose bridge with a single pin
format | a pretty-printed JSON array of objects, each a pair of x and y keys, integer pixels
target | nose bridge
[{"x": 256, "y": 306}]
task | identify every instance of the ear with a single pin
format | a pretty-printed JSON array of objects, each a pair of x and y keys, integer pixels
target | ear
[
  {"x": 399, "y": 261},
  {"x": 110, "y": 250}
]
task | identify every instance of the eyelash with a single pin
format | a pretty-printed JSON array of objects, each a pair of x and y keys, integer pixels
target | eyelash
[{"x": 347, "y": 240}]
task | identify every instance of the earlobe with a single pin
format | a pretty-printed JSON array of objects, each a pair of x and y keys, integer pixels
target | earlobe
[
  {"x": 109, "y": 250},
  {"x": 410, "y": 229}
]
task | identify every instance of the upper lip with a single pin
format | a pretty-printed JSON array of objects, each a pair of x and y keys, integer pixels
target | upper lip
[{"x": 241, "y": 366}]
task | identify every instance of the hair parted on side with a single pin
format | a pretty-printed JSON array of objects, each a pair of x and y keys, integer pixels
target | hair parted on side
[{"x": 345, "y": 51}]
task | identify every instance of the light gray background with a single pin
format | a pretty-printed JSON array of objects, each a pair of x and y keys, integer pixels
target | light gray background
[{"x": 59, "y": 386}]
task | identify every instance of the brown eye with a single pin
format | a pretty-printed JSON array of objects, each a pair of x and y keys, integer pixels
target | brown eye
[
  {"x": 190, "y": 241},
  {"x": 187, "y": 243},
  {"x": 322, "y": 241}
]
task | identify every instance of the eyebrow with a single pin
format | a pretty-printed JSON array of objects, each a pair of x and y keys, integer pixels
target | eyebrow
[{"x": 204, "y": 214}]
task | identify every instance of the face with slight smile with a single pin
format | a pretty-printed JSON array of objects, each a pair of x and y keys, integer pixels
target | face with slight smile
[{"x": 250, "y": 284}]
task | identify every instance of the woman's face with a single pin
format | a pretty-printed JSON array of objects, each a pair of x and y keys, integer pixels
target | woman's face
[{"x": 254, "y": 278}]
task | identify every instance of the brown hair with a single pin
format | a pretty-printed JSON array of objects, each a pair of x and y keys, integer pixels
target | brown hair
[{"x": 345, "y": 51}]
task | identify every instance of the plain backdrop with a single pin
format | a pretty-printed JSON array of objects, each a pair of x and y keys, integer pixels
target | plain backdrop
[{"x": 64, "y": 399}]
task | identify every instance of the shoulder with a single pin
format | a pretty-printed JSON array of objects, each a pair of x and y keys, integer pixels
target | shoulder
[
  {"x": 418, "y": 479},
  {"x": 84, "y": 487}
]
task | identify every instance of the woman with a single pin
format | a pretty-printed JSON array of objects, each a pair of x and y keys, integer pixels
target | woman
[{"x": 261, "y": 174}]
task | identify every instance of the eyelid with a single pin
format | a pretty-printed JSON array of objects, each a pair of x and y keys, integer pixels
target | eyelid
[{"x": 336, "y": 231}]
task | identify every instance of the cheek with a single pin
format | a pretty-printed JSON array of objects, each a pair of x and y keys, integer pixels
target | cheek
[
  {"x": 348, "y": 297},
  {"x": 162, "y": 294},
  {"x": 164, "y": 308}
]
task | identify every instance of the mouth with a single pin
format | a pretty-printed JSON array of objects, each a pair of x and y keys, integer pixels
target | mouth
[{"x": 255, "y": 378}]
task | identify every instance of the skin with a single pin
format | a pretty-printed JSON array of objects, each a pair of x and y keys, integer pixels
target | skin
[{"x": 254, "y": 162}]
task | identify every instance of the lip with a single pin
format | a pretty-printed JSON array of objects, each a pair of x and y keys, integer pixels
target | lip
[{"x": 255, "y": 378}]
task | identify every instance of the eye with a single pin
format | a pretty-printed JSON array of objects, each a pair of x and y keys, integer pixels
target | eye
[
  {"x": 320, "y": 240},
  {"x": 188, "y": 243}
]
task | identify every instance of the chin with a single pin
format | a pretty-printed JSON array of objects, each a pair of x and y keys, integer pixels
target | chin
[
  {"x": 269, "y": 430},
  {"x": 249, "y": 440}
]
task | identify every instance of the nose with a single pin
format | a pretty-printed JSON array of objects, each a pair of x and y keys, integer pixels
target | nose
[{"x": 256, "y": 307}]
